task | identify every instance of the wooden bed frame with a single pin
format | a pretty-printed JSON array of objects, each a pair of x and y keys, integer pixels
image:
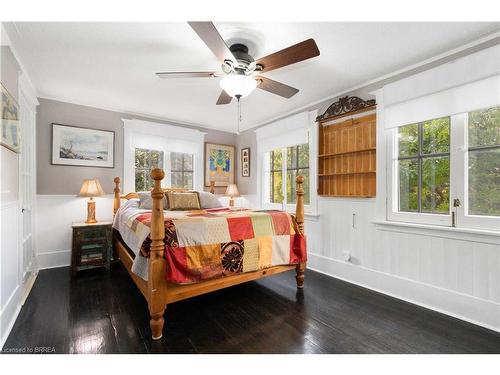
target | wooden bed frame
[{"x": 157, "y": 291}]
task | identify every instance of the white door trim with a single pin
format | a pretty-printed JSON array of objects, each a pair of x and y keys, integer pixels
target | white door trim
[{"x": 27, "y": 185}]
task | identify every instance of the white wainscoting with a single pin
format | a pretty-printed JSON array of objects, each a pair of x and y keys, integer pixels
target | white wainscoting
[
  {"x": 10, "y": 293},
  {"x": 55, "y": 214},
  {"x": 458, "y": 277}
]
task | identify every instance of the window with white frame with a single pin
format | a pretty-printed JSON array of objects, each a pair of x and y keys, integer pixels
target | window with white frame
[
  {"x": 448, "y": 165},
  {"x": 181, "y": 169},
  {"x": 424, "y": 167},
  {"x": 145, "y": 160},
  {"x": 281, "y": 189},
  {"x": 483, "y": 162},
  {"x": 149, "y": 145},
  {"x": 442, "y": 131}
]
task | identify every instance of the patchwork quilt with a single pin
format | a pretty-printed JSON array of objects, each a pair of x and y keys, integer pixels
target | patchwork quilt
[{"x": 213, "y": 243}]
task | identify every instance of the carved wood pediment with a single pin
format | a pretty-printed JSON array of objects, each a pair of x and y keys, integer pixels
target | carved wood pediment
[{"x": 345, "y": 105}]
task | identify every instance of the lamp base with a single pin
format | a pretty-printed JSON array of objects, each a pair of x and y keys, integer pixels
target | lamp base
[
  {"x": 91, "y": 212},
  {"x": 231, "y": 202}
]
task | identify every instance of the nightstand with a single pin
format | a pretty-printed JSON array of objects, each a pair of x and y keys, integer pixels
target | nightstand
[{"x": 92, "y": 246}]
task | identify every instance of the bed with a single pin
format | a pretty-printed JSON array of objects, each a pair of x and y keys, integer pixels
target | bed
[{"x": 172, "y": 256}]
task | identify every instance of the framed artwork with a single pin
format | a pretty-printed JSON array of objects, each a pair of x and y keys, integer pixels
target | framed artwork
[
  {"x": 11, "y": 137},
  {"x": 245, "y": 162},
  {"x": 84, "y": 147},
  {"x": 219, "y": 164}
]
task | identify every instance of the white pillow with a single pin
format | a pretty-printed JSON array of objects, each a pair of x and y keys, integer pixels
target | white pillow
[{"x": 208, "y": 200}]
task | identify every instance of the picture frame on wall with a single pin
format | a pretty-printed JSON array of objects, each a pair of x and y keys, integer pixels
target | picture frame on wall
[
  {"x": 11, "y": 131},
  {"x": 82, "y": 147},
  {"x": 245, "y": 162},
  {"x": 219, "y": 164}
]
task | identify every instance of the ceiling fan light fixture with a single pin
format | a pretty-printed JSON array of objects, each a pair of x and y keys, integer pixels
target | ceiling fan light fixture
[{"x": 238, "y": 85}]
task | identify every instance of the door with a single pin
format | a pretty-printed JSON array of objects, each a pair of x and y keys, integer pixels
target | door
[{"x": 27, "y": 185}]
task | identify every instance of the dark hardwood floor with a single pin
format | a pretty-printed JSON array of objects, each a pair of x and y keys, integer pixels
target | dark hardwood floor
[{"x": 105, "y": 313}]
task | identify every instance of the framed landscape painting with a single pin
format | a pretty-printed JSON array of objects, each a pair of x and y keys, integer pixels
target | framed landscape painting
[
  {"x": 11, "y": 137},
  {"x": 84, "y": 147},
  {"x": 219, "y": 164}
]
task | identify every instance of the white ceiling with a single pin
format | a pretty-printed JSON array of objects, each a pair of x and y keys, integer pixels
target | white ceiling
[{"x": 112, "y": 65}]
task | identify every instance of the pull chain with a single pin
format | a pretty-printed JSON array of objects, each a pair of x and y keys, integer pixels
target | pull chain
[{"x": 239, "y": 115}]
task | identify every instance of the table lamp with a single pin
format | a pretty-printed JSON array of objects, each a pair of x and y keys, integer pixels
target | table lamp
[
  {"x": 231, "y": 192},
  {"x": 91, "y": 189}
]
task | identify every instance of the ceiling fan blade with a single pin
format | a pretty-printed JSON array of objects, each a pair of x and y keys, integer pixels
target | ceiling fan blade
[
  {"x": 291, "y": 55},
  {"x": 276, "y": 87},
  {"x": 209, "y": 34},
  {"x": 186, "y": 74},
  {"x": 224, "y": 98}
]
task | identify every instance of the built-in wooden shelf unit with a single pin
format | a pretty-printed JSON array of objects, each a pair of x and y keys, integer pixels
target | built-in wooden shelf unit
[{"x": 347, "y": 149}]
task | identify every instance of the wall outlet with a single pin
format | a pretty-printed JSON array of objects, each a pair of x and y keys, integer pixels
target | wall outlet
[{"x": 347, "y": 256}]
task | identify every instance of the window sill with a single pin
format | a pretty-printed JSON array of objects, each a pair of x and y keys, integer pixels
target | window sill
[{"x": 465, "y": 234}]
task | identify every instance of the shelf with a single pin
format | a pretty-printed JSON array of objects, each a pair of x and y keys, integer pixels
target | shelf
[
  {"x": 347, "y": 161},
  {"x": 346, "y": 152},
  {"x": 343, "y": 174}
]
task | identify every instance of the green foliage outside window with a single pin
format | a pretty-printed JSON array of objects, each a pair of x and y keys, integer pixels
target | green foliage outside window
[
  {"x": 276, "y": 180},
  {"x": 181, "y": 166},
  {"x": 145, "y": 160},
  {"x": 297, "y": 163},
  {"x": 484, "y": 162},
  {"x": 424, "y": 166}
]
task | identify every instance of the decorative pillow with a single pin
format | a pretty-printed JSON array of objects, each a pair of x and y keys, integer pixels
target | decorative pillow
[
  {"x": 146, "y": 201},
  {"x": 208, "y": 200},
  {"x": 178, "y": 201}
]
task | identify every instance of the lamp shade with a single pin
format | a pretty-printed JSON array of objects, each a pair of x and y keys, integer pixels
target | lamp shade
[
  {"x": 232, "y": 191},
  {"x": 238, "y": 84},
  {"x": 91, "y": 188}
]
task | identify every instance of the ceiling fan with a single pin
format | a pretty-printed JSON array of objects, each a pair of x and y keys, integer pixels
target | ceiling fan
[{"x": 242, "y": 72}]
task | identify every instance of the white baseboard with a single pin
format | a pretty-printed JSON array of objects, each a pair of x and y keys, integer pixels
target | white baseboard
[
  {"x": 53, "y": 259},
  {"x": 462, "y": 306},
  {"x": 9, "y": 314}
]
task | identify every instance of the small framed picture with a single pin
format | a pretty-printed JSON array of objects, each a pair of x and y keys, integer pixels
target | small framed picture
[
  {"x": 10, "y": 122},
  {"x": 245, "y": 162}
]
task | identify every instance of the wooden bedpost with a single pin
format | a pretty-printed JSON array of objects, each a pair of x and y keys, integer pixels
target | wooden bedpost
[
  {"x": 116, "y": 199},
  {"x": 299, "y": 217},
  {"x": 157, "y": 263}
]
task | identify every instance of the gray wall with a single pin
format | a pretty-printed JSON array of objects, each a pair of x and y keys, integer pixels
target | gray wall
[
  {"x": 61, "y": 179},
  {"x": 9, "y": 166},
  {"x": 247, "y": 185}
]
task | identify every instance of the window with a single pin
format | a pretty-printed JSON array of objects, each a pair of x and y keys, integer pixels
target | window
[
  {"x": 145, "y": 160},
  {"x": 447, "y": 167},
  {"x": 297, "y": 163},
  {"x": 276, "y": 176},
  {"x": 424, "y": 167},
  {"x": 181, "y": 166},
  {"x": 483, "y": 128}
]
